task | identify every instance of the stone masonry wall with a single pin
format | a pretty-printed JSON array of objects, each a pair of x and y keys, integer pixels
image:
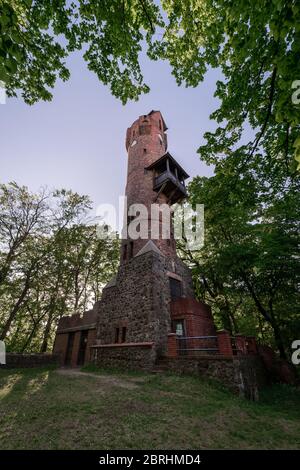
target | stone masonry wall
[
  {"x": 242, "y": 375},
  {"x": 127, "y": 357},
  {"x": 15, "y": 360},
  {"x": 140, "y": 300}
]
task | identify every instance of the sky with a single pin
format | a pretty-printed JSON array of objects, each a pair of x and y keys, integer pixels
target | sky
[{"x": 77, "y": 141}]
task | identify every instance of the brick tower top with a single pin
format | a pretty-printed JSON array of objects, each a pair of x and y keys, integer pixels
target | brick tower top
[
  {"x": 148, "y": 127},
  {"x": 153, "y": 177}
]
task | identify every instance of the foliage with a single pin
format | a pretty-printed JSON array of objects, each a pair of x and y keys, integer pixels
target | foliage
[
  {"x": 51, "y": 263},
  {"x": 247, "y": 269},
  {"x": 38, "y": 35},
  {"x": 257, "y": 48}
]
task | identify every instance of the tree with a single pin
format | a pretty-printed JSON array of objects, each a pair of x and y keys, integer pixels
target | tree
[
  {"x": 247, "y": 269},
  {"x": 52, "y": 263},
  {"x": 257, "y": 50},
  {"x": 38, "y": 35},
  {"x": 257, "y": 53}
]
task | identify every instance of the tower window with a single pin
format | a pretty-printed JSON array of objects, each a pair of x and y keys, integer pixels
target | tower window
[
  {"x": 145, "y": 150},
  {"x": 124, "y": 252},
  {"x": 175, "y": 288},
  {"x": 160, "y": 124},
  {"x": 124, "y": 329},
  {"x": 117, "y": 331}
]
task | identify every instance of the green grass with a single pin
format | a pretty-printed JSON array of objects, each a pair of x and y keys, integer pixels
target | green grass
[{"x": 42, "y": 409}]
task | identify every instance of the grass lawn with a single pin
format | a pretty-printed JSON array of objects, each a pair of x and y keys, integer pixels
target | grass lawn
[{"x": 52, "y": 409}]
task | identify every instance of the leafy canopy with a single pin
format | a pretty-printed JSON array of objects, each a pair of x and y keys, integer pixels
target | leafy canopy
[
  {"x": 38, "y": 35},
  {"x": 255, "y": 45}
]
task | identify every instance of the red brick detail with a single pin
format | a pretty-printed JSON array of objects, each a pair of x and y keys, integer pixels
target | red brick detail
[
  {"x": 224, "y": 343},
  {"x": 60, "y": 346},
  {"x": 251, "y": 345},
  {"x": 172, "y": 345},
  {"x": 75, "y": 349},
  {"x": 241, "y": 344},
  {"x": 197, "y": 316},
  {"x": 75, "y": 321}
]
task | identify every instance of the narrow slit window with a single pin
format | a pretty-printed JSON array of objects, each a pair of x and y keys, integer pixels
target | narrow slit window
[
  {"x": 117, "y": 331},
  {"x": 124, "y": 252},
  {"x": 131, "y": 250},
  {"x": 124, "y": 330},
  {"x": 175, "y": 288}
]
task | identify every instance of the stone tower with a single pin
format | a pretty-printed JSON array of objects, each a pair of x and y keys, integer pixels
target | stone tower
[
  {"x": 153, "y": 178},
  {"x": 148, "y": 310},
  {"x": 152, "y": 292}
]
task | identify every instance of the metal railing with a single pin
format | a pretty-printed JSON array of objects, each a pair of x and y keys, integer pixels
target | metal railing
[{"x": 192, "y": 345}]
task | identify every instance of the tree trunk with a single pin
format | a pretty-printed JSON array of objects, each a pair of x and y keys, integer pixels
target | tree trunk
[
  {"x": 47, "y": 330},
  {"x": 29, "y": 338},
  {"x": 16, "y": 308}
]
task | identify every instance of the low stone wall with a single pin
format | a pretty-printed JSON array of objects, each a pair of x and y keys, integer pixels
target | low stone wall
[
  {"x": 16, "y": 360},
  {"x": 127, "y": 356},
  {"x": 244, "y": 375}
]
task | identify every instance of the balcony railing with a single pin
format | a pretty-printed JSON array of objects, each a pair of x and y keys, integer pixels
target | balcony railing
[{"x": 168, "y": 176}]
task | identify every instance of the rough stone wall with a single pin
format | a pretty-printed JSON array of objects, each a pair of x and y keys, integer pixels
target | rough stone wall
[
  {"x": 242, "y": 375},
  {"x": 250, "y": 376},
  {"x": 278, "y": 370},
  {"x": 140, "y": 300},
  {"x": 91, "y": 340},
  {"x": 16, "y": 360},
  {"x": 127, "y": 357}
]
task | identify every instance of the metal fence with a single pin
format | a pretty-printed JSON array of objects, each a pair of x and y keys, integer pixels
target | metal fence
[{"x": 195, "y": 345}]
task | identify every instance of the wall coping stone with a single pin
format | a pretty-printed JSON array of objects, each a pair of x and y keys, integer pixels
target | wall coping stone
[
  {"x": 91, "y": 326},
  {"x": 124, "y": 345},
  {"x": 209, "y": 357}
]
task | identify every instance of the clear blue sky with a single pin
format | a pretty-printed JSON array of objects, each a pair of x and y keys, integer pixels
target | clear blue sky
[{"x": 77, "y": 140}]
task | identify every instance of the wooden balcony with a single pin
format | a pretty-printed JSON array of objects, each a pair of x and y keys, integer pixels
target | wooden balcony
[
  {"x": 168, "y": 184},
  {"x": 168, "y": 178}
]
